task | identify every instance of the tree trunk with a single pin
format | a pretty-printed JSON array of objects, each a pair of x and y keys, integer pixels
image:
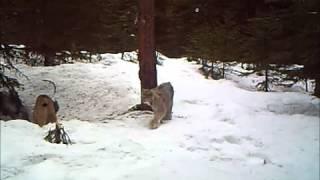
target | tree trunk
[
  {"x": 266, "y": 87},
  {"x": 146, "y": 56},
  {"x": 317, "y": 88},
  {"x": 223, "y": 70},
  {"x": 49, "y": 60},
  {"x": 48, "y": 55},
  {"x": 122, "y": 56},
  {"x": 204, "y": 63},
  {"x": 251, "y": 8},
  {"x": 306, "y": 82},
  {"x": 211, "y": 71}
]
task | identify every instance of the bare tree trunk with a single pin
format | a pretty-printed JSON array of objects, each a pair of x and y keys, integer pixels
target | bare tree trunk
[
  {"x": 204, "y": 63},
  {"x": 223, "y": 70},
  {"x": 306, "y": 82},
  {"x": 251, "y": 8},
  {"x": 317, "y": 88},
  {"x": 266, "y": 87},
  {"x": 122, "y": 56},
  {"x": 211, "y": 71},
  {"x": 49, "y": 60},
  {"x": 146, "y": 56},
  {"x": 48, "y": 55}
]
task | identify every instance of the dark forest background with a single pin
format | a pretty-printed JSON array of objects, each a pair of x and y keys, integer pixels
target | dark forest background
[{"x": 261, "y": 32}]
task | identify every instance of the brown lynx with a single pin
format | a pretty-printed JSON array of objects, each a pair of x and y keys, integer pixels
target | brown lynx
[{"x": 161, "y": 101}]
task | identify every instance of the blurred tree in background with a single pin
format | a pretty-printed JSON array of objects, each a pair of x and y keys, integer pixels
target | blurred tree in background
[{"x": 262, "y": 32}]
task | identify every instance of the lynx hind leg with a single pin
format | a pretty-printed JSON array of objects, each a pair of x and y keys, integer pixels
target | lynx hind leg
[
  {"x": 168, "y": 114},
  {"x": 167, "y": 99}
]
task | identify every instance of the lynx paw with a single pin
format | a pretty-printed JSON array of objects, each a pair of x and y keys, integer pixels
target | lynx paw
[{"x": 154, "y": 125}]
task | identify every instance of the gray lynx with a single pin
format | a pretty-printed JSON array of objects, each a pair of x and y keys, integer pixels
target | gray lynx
[{"x": 161, "y": 101}]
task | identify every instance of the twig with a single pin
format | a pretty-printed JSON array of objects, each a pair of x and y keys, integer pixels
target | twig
[{"x": 54, "y": 85}]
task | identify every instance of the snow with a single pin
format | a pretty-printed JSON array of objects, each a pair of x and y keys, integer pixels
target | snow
[
  {"x": 218, "y": 131},
  {"x": 235, "y": 71}
]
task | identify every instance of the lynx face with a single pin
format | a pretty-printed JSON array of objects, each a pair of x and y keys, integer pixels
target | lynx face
[{"x": 147, "y": 96}]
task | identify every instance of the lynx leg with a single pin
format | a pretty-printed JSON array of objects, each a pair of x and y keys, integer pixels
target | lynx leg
[
  {"x": 168, "y": 115},
  {"x": 156, "y": 121}
]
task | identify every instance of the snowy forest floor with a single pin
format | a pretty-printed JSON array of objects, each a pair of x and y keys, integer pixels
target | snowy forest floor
[{"x": 218, "y": 131}]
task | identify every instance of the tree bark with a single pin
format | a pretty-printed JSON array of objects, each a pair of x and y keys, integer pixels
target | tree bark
[
  {"x": 266, "y": 86},
  {"x": 122, "y": 56},
  {"x": 223, "y": 70},
  {"x": 49, "y": 60},
  {"x": 251, "y": 8},
  {"x": 146, "y": 56},
  {"x": 48, "y": 55},
  {"x": 317, "y": 88},
  {"x": 306, "y": 83},
  {"x": 211, "y": 71}
]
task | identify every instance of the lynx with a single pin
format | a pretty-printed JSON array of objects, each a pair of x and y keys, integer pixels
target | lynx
[{"x": 161, "y": 101}]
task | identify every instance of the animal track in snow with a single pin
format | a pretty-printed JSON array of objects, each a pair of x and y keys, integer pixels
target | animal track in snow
[
  {"x": 38, "y": 159},
  {"x": 228, "y": 148},
  {"x": 259, "y": 158},
  {"x": 194, "y": 102},
  {"x": 256, "y": 143},
  {"x": 180, "y": 116},
  {"x": 7, "y": 172},
  {"x": 228, "y": 120},
  {"x": 232, "y": 139},
  {"x": 229, "y": 139},
  {"x": 195, "y": 148}
]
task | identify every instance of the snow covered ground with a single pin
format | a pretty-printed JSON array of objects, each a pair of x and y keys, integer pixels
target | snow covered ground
[{"x": 218, "y": 131}]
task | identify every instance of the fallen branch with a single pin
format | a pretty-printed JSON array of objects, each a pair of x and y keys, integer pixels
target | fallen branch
[{"x": 58, "y": 135}]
